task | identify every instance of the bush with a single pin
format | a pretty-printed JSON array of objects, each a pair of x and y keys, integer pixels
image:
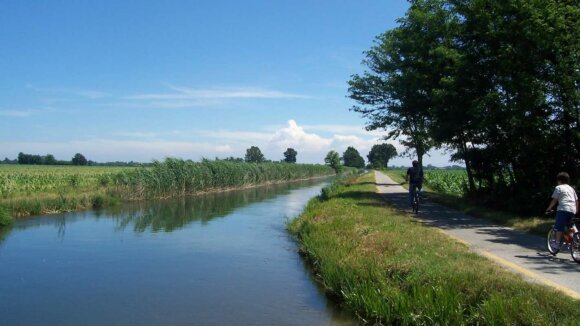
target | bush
[{"x": 5, "y": 217}]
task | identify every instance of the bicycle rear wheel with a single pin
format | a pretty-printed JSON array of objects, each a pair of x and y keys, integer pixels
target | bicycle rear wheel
[
  {"x": 551, "y": 242},
  {"x": 416, "y": 204},
  {"x": 575, "y": 247}
]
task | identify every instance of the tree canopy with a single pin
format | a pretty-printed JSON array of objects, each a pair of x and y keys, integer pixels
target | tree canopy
[
  {"x": 79, "y": 159},
  {"x": 332, "y": 159},
  {"x": 290, "y": 155},
  {"x": 380, "y": 155},
  {"x": 495, "y": 82},
  {"x": 351, "y": 157},
  {"x": 254, "y": 155}
]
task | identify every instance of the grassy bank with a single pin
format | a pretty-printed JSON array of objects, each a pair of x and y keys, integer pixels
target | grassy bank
[
  {"x": 539, "y": 225},
  {"x": 389, "y": 269},
  {"x": 33, "y": 190}
]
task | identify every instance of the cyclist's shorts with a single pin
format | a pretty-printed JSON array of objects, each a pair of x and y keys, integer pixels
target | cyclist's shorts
[{"x": 562, "y": 220}]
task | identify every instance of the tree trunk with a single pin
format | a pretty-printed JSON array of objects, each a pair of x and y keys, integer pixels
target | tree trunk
[{"x": 470, "y": 179}]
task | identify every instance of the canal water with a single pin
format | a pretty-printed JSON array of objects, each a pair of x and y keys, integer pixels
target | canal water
[{"x": 217, "y": 259}]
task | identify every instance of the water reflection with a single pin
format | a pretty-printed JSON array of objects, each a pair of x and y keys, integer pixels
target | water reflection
[
  {"x": 175, "y": 214},
  {"x": 218, "y": 259}
]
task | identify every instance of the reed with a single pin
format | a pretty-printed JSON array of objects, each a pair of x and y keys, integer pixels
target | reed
[{"x": 177, "y": 177}]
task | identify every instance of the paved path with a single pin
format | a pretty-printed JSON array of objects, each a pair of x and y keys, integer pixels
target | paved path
[{"x": 519, "y": 251}]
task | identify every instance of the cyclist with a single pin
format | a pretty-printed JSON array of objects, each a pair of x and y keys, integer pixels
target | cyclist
[
  {"x": 567, "y": 201},
  {"x": 415, "y": 178}
]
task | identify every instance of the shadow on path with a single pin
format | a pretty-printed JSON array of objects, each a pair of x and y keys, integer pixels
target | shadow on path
[{"x": 524, "y": 249}]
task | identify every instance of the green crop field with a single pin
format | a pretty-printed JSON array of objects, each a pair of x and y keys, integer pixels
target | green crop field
[
  {"x": 449, "y": 182},
  {"x": 31, "y": 190},
  {"x": 26, "y": 180}
]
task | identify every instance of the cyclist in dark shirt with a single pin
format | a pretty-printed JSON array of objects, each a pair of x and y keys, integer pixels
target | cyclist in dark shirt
[{"x": 415, "y": 179}]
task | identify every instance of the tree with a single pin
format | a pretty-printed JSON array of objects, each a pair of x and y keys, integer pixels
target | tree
[
  {"x": 49, "y": 160},
  {"x": 380, "y": 155},
  {"x": 79, "y": 159},
  {"x": 290, "y": 155},
  {"x": 494, "y": 81},
  {"x": 396, "y": 93},
  {"x": 254, "y": 155},
  {"x": 333, "y": 160},
  {"x": 352, "y": 158}
]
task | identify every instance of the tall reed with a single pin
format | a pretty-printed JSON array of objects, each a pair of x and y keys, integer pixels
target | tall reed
[{"x": 177, "y": 177}]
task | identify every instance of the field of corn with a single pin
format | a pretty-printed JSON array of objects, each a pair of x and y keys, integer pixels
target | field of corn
[
  {"x": 28, "y": 180},
  {"x": 450, "y": 182},
  {"x": 32, "y": 190}
]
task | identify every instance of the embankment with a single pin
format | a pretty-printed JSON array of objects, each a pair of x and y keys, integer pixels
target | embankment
[{"x": 389, "y": 269}]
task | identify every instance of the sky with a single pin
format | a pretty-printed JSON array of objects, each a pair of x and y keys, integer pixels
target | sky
[{"x": 142, "y": 80}]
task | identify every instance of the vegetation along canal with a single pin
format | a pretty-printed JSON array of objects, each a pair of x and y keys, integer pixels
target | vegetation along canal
[{"x": 222, "y": 258}]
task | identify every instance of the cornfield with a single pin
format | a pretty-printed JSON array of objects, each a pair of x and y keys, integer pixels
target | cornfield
[
  {"x": 451, "y": 182},
  {"x": 25, "y": 180}
]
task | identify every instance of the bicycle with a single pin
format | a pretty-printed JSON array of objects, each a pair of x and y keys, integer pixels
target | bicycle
[
  {"x": 416, "y": 199},
  {"x": 570, "y": 239}
]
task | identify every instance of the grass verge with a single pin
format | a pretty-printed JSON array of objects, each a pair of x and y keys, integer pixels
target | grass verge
[
  {"x": 539, "y": 225},
  {"x": 389, "y": 269}
]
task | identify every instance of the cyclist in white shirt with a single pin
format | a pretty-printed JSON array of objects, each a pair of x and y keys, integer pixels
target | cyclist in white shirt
[{"x": 567, "y": 201}]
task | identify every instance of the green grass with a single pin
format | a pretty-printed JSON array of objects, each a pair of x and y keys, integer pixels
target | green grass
[
  {"x": 388, "y": 269},
  {"x": 34, "y": 190},
  {"x": 539, "y": 225}
]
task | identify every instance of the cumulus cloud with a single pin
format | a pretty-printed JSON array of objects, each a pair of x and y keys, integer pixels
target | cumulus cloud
[{"x": 144, "y": 146}]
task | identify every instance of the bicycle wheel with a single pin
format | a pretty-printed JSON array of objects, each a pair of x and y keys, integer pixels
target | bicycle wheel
[
  {"x": 551, "y": 241},
  {"x": 575, "y": 247},
  {"x": 416, "y": 204}
]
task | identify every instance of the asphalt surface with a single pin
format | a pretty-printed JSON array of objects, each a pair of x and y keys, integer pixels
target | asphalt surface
[{"x": 518, "y": 251}]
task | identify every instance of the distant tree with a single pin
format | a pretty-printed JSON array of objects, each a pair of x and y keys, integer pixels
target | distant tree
[
  {"x": 380, "y": 155},
  {"x": 333, "y": 160},
  {"x": 352, "y": 158},
  {"x": 290, "y": 155},
  {"x": 29, "y": 159},
  {"x": 49, "y": 160},
  {"x": 234, "y": 159},
  {"x": 254, "y": 155},
  {"x": 79, "y": 159}
]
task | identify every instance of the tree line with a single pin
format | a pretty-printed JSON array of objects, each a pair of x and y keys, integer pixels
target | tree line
[
  {"x": 378, "y": 157},
  {"x": 49, "y": 159},
  {"x": 494, "y": 82}
]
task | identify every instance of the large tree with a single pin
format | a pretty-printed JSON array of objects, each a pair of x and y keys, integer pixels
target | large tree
[
  {"x": 332, "y": 159},
  {"x": 396, "y": 92},
  {"x": 79, "y": 159},
  {"x": 380, "y": 155},
  {"x": 496, "y": 82},
  {"x": 290, "y": 155},
  {"x": 351, "y": 157},
  {"x": 254, "y": 155}
]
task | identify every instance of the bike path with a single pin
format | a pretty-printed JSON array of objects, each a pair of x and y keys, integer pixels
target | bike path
[{"x": 517, "y": 250}]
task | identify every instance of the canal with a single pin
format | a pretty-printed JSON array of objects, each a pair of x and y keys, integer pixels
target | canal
[{"x": 217, "y": 259}]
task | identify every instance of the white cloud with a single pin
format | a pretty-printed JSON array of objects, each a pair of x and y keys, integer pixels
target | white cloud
[
  {"x": 16, "y": 113},
  {"x": 88, "y": 93},
  {"x": 223, "y": 93},
  {"x": 344, "y": 129},
  {"x": 123, "y": 150},
  {"x": 144, "y": 146},
  {"x": 134, "y": 134},
  {"x": 294, "y": 136},
  {"x": 24, "y": 113},
  {"x": 182, "y": 97}
]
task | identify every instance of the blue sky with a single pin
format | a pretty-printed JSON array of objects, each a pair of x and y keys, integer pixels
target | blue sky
[{"x": 138, "y": 80}]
